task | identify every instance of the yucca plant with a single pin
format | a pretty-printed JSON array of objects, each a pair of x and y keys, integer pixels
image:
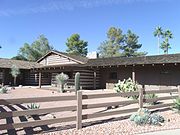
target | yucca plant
[
  {"x": 61, "y": 80},
  {"x": 176, "y": 106},
  {"x": 33, "y": 106},
  {"x": 15, "y": 72}
]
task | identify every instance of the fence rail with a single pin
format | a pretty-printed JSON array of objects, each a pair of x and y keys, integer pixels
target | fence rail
[{"x": 80, "y": 106}]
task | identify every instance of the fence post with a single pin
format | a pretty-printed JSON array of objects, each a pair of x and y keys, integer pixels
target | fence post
[
  {"x": 79, "y": 110},
  {"x": 141, "y": 95},
  {"x": 179, "y": 91}
]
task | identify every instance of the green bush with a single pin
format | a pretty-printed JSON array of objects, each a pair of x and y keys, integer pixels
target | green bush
[
  {"x": 151, "y": 96},
  {"x": 176, "y": 105},
  {"x": 143, "y": 116},
  {"x": 126, "y": 86},
  {"x": 3, "y": 90},
  {"x": 33, "y": 106}
]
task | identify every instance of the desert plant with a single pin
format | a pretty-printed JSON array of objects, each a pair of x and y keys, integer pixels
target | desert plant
[
  {"x": 33, "y": 106},
  {"x": 77, "y": 81},
  {"x": 61, "y": 80},
  {"x": 3, "y": 90},
  {"x": 151, "y": 96},
  {"x": 15, "y": 72},
  {"x": 126, "y": 86},
  {"x": 143, "y": 116},
  {"x": 155, "y": 119},
  {"x": 176, "y": 105}
]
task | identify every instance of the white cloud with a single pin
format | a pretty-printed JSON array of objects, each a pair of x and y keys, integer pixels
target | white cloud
[{"x": 59, "y": 5}]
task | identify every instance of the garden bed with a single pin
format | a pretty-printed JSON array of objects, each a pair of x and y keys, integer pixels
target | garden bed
[{"x": 125, "y": 127}]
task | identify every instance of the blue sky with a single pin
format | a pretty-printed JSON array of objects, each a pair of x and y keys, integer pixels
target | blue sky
[{"x": 23, "y": 21}]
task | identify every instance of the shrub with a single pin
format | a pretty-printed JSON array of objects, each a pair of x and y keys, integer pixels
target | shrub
[
  {"x": 143, "y": 116},
  {"x": 155, "y": 119},
  {"x": 151, "y": 96},
  {"x": 62, "y": 80},
  {"x": 33, "y": 106},
  {"x": 176, "y": 105},
  {"x": 3, "y": 90},
  {"x": 126, "y": 86}
]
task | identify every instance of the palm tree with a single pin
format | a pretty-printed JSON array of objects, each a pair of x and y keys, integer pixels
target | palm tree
[
  {"x": 165, "y": 45},
  {"x": 158, "y": 33}
]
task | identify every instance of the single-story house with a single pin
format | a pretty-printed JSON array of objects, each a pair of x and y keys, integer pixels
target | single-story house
[{"x": 161, "y": 70}]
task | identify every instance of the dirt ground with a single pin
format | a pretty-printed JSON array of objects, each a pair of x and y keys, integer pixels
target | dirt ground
[{"x": 35, "y": 92}]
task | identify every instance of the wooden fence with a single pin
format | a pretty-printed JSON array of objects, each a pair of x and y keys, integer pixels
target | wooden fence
[{"x": 79, "y": 107}]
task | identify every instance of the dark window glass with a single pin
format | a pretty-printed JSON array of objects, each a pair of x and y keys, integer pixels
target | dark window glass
[{"x": 113, "y": 75}]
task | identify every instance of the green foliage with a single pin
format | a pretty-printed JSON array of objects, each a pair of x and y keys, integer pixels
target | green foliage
[
  {"x": 33, "y": 106},
  {"x": 176, "y": 105},
  {"x": 119, "y": 44},
  {"x": 34, "y": 51},
  {"x": 151, "y": 96},
  {"x": 143, "y": 116},
  {"x": 165, "y": 46},
  {"x": 3, "y": 90},
  {"x": 126, "y": 86},
  {"x": 158, "y": 32},
  {"x": 131, "y": 45},
  {"x": 166, "y": 35},
  {"x": 77, "y": 81},
  {"x": 111, "y": 47},
  {"x": 76, "y": 46},
  {"x": 62, "y": 80},
  {"x": 15, "y": 71}
]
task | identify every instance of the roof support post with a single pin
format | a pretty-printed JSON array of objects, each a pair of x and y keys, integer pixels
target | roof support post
[
  {"x": 94, "y": 80},
  {"x": 133, "y": 75},
  {"x": 40, "y": 74},
  {"x": 3, "y": 77}
]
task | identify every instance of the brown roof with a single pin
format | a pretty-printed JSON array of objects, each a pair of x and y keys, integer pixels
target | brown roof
[
  {"x": 156, "y": 59},
  {"x": 7, "y": 63}
]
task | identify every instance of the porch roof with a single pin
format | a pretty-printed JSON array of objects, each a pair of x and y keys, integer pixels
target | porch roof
[{"x": 8, "y": 63}]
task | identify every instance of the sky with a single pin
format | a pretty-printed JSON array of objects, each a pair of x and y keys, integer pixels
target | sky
[{"x": 22, "y": 21}]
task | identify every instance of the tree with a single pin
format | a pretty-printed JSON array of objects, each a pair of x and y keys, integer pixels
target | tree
[
  {"x": 111, "y": 47},
  {"x": 131, "y": 45},
  {"x": 165, "y": 46},
  {"x": 76, "y": 46},
  {"x": 158, "y": 33},
  {"x": 15, "y": 72},
  {"x": 34, "y": 51}
]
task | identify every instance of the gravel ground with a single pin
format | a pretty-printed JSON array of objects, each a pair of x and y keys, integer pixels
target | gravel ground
[{"x": 124, "y": 127}]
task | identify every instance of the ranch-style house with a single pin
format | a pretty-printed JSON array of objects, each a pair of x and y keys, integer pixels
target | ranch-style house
[{"x": 96, "y": 73}]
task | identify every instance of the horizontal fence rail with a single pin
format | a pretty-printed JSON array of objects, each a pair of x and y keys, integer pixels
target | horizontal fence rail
[
  {"x": 36, "y": 99},
  {"x": 79, "y": 106}
]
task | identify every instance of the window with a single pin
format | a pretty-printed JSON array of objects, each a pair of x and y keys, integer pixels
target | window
[{"x": 113, "y": 75}]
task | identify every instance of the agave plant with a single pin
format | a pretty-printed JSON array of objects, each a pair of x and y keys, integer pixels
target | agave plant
[
  {"x": 151, "y": 96},
  {"x": 62, "y": 80}
]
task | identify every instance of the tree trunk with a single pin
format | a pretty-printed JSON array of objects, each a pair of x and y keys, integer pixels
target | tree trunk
[
  {"x": 14, "y": 81},
  {"x": 158, "y": 44},
  {"x": 61, "y": 88}
]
